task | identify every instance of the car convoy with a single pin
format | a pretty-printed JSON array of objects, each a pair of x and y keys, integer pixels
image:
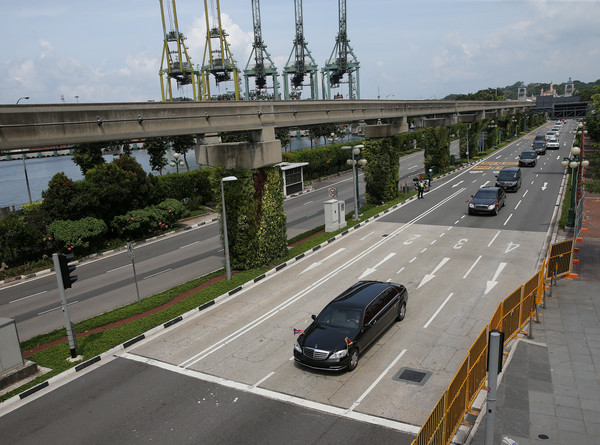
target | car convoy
[
  {"x": 356, "y": 318},
  {"x": 489, "y": 200}
]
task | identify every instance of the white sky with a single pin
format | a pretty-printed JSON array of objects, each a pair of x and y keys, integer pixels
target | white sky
[{"x": 110, "y": 51}]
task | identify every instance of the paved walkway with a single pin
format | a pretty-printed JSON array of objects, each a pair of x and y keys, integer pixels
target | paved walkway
[{"x": 549, "y": 391}]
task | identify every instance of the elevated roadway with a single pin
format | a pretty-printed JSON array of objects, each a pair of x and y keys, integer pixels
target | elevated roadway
[{"x": 25, "y": 126}]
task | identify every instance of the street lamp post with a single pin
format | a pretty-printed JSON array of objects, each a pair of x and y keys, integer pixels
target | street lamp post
[
  {"x": 24, "y": 156},
  {"x": 514, "y": 122},
  {"x": 176, "y": 162},
  {"x": 225, "y": 240},
  {"x": 574, "y": 162},
  {"x": 492, "y": 126},
  {"x": 362, "y": 162},
  {"x": 468, "y": 128}
]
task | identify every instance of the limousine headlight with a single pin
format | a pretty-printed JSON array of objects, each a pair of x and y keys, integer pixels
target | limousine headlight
[
  {"x": 297, "y": 347},
  {"x": 339, "y": 354}
]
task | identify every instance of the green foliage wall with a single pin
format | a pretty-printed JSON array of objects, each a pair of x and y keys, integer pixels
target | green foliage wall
[{"x": 256, "y": 222}]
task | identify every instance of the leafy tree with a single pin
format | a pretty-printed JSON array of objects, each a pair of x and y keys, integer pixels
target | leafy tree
[
  {"x": 182, "y": 144},
  {"x": 87, "y": 156},
  {"x": 17, "y": 237},
  {"x": 64, "y": 199},
  {"x": 381, "y": 171},
  {"x": 283, "y": 134},
  {"x": 115, "y": 190},
  {"x": 157, "y": 150}
]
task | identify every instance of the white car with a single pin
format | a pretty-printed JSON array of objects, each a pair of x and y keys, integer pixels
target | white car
[{"x": 552, "y": 144}]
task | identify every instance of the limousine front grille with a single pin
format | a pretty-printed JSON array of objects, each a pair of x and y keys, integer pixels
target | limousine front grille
[{"x": 315, "y": 354}]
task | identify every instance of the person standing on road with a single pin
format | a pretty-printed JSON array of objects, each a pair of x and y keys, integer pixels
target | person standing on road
[
  {"x": 430, "y": 176},
  {"x": 420, "y": 188}
]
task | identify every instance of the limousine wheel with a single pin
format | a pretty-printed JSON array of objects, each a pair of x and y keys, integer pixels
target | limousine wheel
[
  {"x": 353, "y": 362},
  {"x": 401, "y": 312}
]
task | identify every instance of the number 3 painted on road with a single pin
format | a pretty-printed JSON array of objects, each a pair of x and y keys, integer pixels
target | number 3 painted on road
[{"x": 460, "y": 243}]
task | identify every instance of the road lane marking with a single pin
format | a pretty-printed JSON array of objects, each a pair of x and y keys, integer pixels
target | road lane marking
[
  {"x": 433, "y": 242},
  {"x": 28, "y": 296},
  {"x": 438, "y": 310},
  {"x": 118, "y": 268},
  {"x": 264, "y": 378},
  {"x": 490, "y": 284},
  {"x": 524, "y": 194},
  {"x": 518, "y": 203},
  {"x": 494, "y": 238},
  {"x": 310, "y": 288},
  {"x": 430, "y": 276},
  {"x": 157, "y": 273},
  {"x": 318, "y": 263},
  {"x": 377, "y": 380},
  {"x": 273, "y": 395},
  {"x": 57, "y": 308},
  {"x": 401, "y": 269},
  {"x": 366, "y": 236},
  {"x": 472, "y": 267},
  {"x": 370, "y": 270},
  {"x": 507, "y": 219},
  {"x": 190, "y": 244}
]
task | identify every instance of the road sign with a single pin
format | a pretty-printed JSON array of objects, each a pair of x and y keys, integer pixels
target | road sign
[{"x": 333, "y": 192}]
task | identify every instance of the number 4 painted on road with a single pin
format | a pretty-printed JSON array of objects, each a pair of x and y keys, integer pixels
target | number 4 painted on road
[{"x": 511, "y": 246}]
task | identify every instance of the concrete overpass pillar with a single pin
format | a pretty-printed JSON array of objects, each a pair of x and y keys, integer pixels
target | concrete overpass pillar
[
  {"x": 386, "y": 130},
  {"x": 263, "y": 151}
]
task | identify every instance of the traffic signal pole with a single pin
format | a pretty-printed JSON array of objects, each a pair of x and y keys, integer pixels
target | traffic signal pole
[{"x": 65, "y": 309}]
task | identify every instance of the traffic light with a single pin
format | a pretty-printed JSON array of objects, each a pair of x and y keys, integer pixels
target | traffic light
[{"x": 65, "y": 269}]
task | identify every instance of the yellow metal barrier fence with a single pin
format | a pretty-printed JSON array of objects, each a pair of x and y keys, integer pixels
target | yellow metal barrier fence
[{"x": 511, "y": 315}]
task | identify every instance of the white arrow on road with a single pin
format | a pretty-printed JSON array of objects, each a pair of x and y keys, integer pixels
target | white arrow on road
[
  {"x": 490, "y": 284},
  {"x": 374, "y": 268},
  {"x": 431, "y": 275},
  {"x": 545, "y": 186},
  {"x": 458, "y": 183},
  {"x": 317, "y": 264}
]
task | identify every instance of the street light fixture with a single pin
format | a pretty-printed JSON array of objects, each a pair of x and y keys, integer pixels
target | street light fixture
[
  {"x": 492, "y": 126},
  {"x": 574, "y": 162},
  {"x": 225, "y": 241},
  {"x": 362, "y": 162},
  {"x": 176, "y": 162},
  {"x": 468, "y": 128},
  {"x": 21, "y": 98}
]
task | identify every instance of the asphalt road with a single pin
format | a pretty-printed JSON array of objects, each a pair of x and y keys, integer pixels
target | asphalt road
[
  {"x": 231, "y": 368},
  {"x": 107, "y": 283}
]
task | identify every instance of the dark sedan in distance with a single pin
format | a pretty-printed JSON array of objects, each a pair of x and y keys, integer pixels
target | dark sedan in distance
[
  {"x": 349, "y": 324},
  {"x": 528, "y": 158},
  {"x": 487, "y": 200}
]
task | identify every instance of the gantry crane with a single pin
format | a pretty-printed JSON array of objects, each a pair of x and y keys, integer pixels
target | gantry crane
[
  {"x": 176, "y": 64},
  {"x": 300, "y": 66},
  {"x": 342, "y": 61},
  {"x": 218, "y": 62},
  {"x": 262, "y": 69}
]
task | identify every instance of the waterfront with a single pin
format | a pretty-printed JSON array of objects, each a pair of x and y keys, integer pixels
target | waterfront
[{"x": 41, "y": 170}]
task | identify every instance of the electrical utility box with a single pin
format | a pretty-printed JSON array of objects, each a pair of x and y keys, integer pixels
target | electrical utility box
[
  {"x": 10, "y": 350},
  {"x": 335, "y": 215}
]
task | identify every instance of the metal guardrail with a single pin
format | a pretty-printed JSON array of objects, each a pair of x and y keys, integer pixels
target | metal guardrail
[{"x": 511, "y": 317}]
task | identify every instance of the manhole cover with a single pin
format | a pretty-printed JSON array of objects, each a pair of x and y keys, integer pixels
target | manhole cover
[{"x": 412, "y": 376}]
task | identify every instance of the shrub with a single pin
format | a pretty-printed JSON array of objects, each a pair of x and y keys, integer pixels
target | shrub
[
  {"x": 147, "y": 221},
  {"x": 79, "y": 236}
]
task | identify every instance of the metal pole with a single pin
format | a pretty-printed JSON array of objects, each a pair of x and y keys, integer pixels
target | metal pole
[
  {"x": 493, "y": 357},
  {"x": 468, "y": 126},
  {"x": 65, "y": 308},
  {"x": 132, "y": 256},
  {"x": 26, "y": 177},
  {"x": 571, "y": 218},
  {"x": 355, "y": 178},
  {"x": 225, "y": 241}
]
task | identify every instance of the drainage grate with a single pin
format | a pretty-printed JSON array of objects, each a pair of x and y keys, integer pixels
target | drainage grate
[{"x": 412, "y": 376}]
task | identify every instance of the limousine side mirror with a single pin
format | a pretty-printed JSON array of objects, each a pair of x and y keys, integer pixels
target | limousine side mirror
[{"x": 313, "y": 316}]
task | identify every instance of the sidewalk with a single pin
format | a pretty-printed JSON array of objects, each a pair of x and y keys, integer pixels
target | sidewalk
[{"x": 549, "y": 391}]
